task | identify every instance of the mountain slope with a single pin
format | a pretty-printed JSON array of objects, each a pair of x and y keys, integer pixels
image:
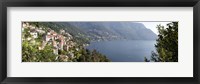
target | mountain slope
[
  {"x": 116, "y": 30},
  {"x": 96, "y": 31}
]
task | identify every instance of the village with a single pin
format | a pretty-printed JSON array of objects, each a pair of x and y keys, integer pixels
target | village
[{"x": 61, "y": 41}]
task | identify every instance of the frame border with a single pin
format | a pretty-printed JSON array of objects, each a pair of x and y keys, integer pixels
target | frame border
[{"x": 103, "y": 3}]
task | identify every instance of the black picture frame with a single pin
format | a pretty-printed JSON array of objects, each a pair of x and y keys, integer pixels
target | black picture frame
[{"x": 98, "y": 3}]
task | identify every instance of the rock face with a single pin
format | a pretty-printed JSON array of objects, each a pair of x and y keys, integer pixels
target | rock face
[{"x": 115, "y": 30}]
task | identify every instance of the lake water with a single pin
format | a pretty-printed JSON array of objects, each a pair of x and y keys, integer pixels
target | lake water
[{"x": 125, "y": 50}]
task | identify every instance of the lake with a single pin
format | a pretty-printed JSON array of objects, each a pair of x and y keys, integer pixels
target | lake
[{"x": 124, "y": 50}]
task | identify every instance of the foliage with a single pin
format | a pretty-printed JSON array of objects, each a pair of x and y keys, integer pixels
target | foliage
[
  {"x": 167, "y": 44},
  {"x": 146, "y": 60},
  {"x": 31, "y": 52},
  {"x": 94, "y": 56}
]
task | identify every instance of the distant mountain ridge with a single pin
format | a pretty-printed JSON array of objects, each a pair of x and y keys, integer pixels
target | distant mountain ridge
[
  {"x": 96, "y": 31},
  {"x": 115, "y": 30}
]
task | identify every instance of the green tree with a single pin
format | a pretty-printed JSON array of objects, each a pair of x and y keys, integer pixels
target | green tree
[
  {"x": 146, "y": 60},
  {"x": 46, "y": 55},
  {"x": 32, "y": 54},
  {"x": 166, "y": 44}
]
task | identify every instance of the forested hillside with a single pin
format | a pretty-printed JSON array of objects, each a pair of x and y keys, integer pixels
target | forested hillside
[{"x": 51, "y": 42}]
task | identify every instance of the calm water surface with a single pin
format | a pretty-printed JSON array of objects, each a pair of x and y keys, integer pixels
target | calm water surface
[{"x": 124, "y": 50}]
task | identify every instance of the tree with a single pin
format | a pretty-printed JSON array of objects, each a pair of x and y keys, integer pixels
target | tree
[
  {"x": 166, "y": 44},
  {"x": 32, "y": 54},
  {"x": 146, "y": 60}
]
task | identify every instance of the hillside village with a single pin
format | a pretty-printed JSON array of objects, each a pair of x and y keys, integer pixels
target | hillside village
[
  {"x": 61, "y": 44},
  {"x": 50, "y": 37}
]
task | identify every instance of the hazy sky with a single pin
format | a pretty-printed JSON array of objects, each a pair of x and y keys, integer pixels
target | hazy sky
[{"x": 153, "y": 25}]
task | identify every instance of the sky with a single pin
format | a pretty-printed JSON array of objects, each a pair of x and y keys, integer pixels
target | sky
[{"x": 153, "y": 25}]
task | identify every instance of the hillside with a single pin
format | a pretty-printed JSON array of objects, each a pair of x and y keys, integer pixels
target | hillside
[
  {"x": 115, "y": 30},
  {"x": 84, "y": 32},
  {"x": 52, "y": 42}
]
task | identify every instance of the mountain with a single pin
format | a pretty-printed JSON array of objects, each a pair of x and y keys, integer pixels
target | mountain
[
  {"x": 115, "y": 30},
  {"x": 95, "y": 31}
]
